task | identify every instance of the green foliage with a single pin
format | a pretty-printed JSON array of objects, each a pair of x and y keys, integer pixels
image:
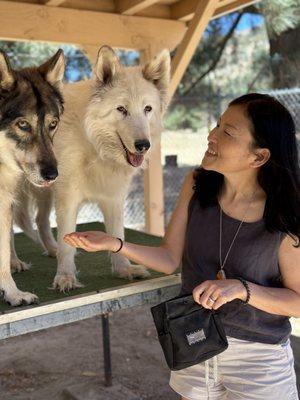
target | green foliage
[
  {"x": 27, "y": 54},
  {"x": 280, "y": 15},
  {"x": 181, "y": 118}
]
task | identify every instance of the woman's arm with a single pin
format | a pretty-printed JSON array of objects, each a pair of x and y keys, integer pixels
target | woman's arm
[
  {"x": 280, "y": 301},
  {"x": 165, "y": 258}
]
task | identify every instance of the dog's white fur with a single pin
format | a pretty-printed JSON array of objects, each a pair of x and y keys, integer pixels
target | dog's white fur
[{"x": 91, "y": 158}]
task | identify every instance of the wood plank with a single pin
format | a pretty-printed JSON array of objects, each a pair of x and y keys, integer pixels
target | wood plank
[
  {"x": 153, "y": 180},
  {"x": 53, "y": 3},
  {"x": 38, "y": 22},
  {"x": 91, "y": 298},
  {"x": 154, "y": 11},
  {"x": 184, "y": 10},
  {"x": 154, "y": 194},
  {"x": 79, "y": 313},
  {"x": 131, "y": 7},
  {"x": 187, "y": 47},
  {"x": 232, "y": 6}
]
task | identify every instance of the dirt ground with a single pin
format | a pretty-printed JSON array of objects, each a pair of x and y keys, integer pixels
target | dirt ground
[{"x": 66, "y": 363}]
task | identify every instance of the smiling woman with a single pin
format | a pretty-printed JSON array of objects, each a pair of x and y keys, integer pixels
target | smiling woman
[{"x": 237, "y": 219}]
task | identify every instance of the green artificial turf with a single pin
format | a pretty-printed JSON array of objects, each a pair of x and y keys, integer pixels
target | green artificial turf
[{"x": 94, "y": 268}]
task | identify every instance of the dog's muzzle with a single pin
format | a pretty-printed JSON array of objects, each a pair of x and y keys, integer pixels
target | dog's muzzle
[{"x": 136, "y": 159}]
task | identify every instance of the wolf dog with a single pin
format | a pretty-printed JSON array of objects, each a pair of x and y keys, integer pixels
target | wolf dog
[
  {"x": 31, "y": 104},
  {"x": 109, "y": 126}
]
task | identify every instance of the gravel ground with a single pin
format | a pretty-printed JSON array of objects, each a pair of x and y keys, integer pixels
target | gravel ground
[{"x": 66, "y": 363}]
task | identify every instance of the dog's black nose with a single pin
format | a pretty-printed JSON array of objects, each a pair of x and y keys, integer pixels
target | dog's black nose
[
  {"x": 49, "y": 173},
  {"x": 142, "y": 145}
]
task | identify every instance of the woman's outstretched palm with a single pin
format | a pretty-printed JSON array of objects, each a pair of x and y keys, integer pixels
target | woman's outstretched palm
[{"x": 90, "y": 240}]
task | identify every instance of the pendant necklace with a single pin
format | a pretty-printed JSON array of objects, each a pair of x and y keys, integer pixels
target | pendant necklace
[{"x": 221, "y": 273}]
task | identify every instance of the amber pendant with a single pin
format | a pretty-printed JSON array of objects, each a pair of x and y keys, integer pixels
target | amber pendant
[{"x": 221, "y": 274}]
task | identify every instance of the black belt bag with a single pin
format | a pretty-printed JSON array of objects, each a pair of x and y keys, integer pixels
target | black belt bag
[{"x": 188, "y": 333}]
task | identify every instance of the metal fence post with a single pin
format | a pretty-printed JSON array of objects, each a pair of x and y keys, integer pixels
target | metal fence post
[{"x": 106, "y": 350}]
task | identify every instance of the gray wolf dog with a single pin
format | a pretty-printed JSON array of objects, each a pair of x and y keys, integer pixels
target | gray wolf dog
[
  {"x": 109, "y": 126},
  {"x": 31, "y": 104}
]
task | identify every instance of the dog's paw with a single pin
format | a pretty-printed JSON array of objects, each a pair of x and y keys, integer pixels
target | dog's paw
[
  {"x": 50, "y": 250},
  {"x": 17, "y": 265},
  {"x": 65, "y": 283},
  {"x": 132, "y": 271},
  {"x": 16, "y": 297}
]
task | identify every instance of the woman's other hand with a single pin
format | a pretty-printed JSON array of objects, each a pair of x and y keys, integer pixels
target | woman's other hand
[
  {"x": 92, "y": 241},
  {"x": 214, "y": 293}
]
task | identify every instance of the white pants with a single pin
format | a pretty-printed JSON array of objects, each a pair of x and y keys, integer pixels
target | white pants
[{"x": 246, "y": 370}]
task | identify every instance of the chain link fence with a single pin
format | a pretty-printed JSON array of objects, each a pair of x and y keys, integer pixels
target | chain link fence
[{"x": 182, "y": 150}]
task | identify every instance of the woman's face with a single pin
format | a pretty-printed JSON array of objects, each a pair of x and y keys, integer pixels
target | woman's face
[{"x": 229, "y": 143}]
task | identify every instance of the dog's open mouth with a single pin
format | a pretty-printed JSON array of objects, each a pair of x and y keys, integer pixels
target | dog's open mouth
[
  {"x": 42, "y": 184},
  {"x": 134, "y": 159}
]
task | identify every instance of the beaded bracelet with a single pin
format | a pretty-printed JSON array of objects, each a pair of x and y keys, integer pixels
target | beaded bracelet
[
  {"x": 245, "y": 284},
  {"x": 121, "y": 245}
]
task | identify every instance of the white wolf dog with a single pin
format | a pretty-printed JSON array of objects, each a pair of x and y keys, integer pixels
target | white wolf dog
[{"x": 109, "y": 125}]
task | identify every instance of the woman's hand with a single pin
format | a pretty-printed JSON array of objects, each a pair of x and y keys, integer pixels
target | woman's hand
[
  {"x": 213, "y": 294},
  {"x": 92, "y": 241}
]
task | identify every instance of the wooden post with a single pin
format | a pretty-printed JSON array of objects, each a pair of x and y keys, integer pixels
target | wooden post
[
  {"x": 153, "y": 177},
  {"x": 153, "y": 180}
]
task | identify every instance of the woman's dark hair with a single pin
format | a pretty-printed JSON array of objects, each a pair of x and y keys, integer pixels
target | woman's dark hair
[{"x": 279, "y": 177}]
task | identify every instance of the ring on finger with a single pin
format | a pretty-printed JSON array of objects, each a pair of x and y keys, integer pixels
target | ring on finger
[{"x": 211, "y": 299}]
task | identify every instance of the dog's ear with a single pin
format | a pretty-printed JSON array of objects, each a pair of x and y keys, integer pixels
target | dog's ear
[
  {"x": 157, "y": 71},
  {"x": 53, "y": 69},
  {"x": 6, "y": 73},
  {"x": 107, "y": 65}
]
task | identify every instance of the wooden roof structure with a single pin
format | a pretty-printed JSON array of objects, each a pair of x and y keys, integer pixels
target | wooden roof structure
[{"x": 145, "y": 25}]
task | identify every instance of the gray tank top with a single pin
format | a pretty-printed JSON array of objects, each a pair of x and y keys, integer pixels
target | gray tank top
[{"x": 254, "y": 257}]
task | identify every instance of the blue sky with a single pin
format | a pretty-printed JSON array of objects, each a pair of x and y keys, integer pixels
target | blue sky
[
  {"x": 247, "y": 21},
  {"x": 250, "y": 21}
]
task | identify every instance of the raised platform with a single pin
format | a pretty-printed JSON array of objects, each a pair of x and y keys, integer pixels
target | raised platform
[{"x": 101, "y": 293}]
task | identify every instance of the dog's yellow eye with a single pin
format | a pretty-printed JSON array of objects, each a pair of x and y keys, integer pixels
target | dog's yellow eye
[
  {"x": 53, "y": 124},
  {"x": 24, "y": 125}
]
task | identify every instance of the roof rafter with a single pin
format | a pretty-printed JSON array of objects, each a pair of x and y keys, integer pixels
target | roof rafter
[
  {"x": 204, "y": 12},
  {"x": 53, "y": 3},
  {"x": 131, "y": 7},
  {"x": 87, "y": 28},
  {"x": 232, "y": 6},
  {"x": 184, "y": 10}
]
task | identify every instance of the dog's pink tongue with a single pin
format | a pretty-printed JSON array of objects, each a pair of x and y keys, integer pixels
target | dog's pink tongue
[{"x": 135, "y": 159}]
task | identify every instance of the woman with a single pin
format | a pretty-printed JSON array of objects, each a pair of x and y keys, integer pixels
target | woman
[{"x": 237, "y": 217}]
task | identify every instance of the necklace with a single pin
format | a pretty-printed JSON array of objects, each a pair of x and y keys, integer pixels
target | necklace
[{"x": 221, "y": 273}]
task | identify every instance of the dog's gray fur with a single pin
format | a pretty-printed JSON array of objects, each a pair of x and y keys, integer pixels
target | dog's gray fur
[{"x": 30, "y": 107}]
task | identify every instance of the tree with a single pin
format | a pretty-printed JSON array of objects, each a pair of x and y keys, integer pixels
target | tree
[
  {"x": 26, "y": 54},
  {"x": 282, "y": 19}
]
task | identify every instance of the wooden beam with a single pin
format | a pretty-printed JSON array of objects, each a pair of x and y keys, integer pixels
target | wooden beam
[
  {"x": 131, "y": 7},
  {"x": 154, "y": 194},
  {"x": 154, "y": 11},
  {"x": 184, "y": 10},
  {"x": 187, "y": 47},
  {"x": 232, "y": 6},
  {"x": 53, "y": 3},
  {"x": 153, "y": 180},
  {"x": 22, "y": 21}
]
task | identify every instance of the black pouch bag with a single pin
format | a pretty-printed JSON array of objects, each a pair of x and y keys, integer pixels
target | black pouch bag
[{"x": 188, "y": 333}]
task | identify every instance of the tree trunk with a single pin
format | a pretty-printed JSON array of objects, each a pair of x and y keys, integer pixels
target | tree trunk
[{"x": 285, "y": 59}]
